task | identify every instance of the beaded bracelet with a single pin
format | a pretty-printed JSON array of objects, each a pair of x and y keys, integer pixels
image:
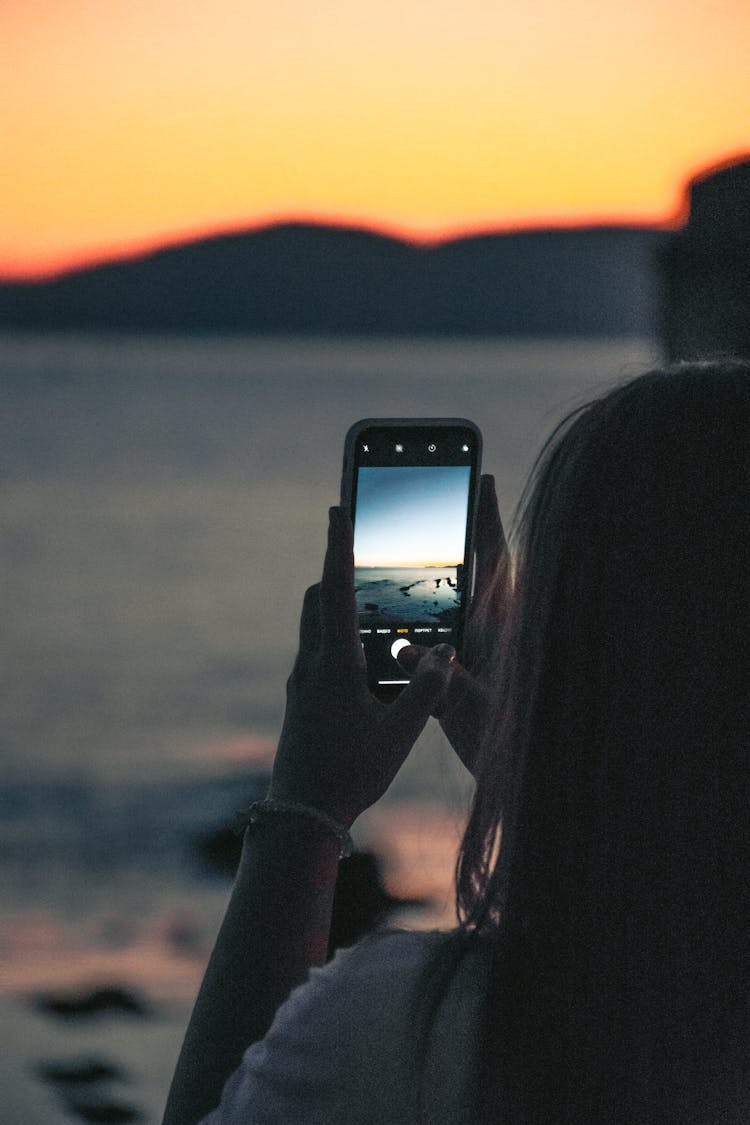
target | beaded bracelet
[{"x": 260, "y": 810}]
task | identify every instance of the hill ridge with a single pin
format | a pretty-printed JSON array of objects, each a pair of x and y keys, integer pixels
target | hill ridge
[{"x": 298, "y": 276}]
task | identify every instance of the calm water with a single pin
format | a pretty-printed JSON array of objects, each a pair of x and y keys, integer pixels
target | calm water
[
  {"x": 423, "y": 594},
  {"x": 163, "y": 507}
]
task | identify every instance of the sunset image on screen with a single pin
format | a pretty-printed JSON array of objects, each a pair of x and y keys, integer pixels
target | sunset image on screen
[
  {"x": 409, "y": 538},
  {"x": 411, "y": 516}
]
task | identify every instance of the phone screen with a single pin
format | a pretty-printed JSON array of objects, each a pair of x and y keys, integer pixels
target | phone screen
[{"x": 413, "y": 501}]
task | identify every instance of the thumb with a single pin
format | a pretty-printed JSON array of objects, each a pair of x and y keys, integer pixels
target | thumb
[{"x": 410, "y": 657}]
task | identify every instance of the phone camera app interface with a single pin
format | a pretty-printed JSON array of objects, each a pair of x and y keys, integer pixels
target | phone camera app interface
[{"x": 413, "y": 493}]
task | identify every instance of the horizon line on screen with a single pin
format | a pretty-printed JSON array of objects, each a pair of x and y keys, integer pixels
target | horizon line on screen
[{"x": 442, "y": 565}]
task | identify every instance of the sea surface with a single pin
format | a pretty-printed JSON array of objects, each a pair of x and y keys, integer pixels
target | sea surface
[
  {"x": 163, "y": 507},
  {"x": 418, "y": 594}
]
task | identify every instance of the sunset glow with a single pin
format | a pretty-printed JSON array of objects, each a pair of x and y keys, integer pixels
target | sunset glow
[{"x": 133, "y": 122}]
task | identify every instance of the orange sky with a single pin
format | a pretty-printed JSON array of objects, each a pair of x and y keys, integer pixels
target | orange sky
[{"x": 127, "y": 122}]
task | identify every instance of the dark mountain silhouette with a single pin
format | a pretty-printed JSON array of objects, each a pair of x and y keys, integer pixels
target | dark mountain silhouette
[
  {"x": 319, "y": 279},
  {"x": 705, "y": 268}
]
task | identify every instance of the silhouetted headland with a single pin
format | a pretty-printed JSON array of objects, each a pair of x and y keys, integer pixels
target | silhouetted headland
[
  {"x": 706, "y": 269},
  {"x": 303, "y": 278}
]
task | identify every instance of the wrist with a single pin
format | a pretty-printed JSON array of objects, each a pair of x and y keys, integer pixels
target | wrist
[
  {"x": 299, "y": 817},
  {"x": 307, "y": 793}
]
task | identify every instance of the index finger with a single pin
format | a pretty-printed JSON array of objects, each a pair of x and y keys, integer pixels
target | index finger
[{"x": 338, "y": 614}]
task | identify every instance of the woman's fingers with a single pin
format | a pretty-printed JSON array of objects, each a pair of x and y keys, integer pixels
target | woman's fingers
[
  {"x": 410, "y": 655},
  {"x": 490, "y": 537},
  {"x": 462, "y": 707},
  {"x": 338, "y": 618},
  {"x": 414, "y": 658},
  {"x": 464, "y": 715},
  {"x": 407, "y": 715},
  {"x": 309, "y": 625}
]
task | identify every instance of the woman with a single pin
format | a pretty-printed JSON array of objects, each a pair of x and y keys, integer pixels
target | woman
[{"x": 600, "y": 971}]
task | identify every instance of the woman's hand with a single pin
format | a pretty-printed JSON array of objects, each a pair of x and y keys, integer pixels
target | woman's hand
[
  {"x": 339, "y": 751},
  {"x": 465, "y": 709},
  {"x": 340, "y": 748}
]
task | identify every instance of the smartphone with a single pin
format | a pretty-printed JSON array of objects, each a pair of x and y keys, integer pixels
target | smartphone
[{"x": 411, "y": 487}]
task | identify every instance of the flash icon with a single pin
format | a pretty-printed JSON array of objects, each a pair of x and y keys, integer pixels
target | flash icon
[{"x": 399, "y": 449}]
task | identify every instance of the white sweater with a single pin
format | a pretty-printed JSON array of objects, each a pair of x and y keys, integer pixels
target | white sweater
[{"x": 347, "y": 1046}]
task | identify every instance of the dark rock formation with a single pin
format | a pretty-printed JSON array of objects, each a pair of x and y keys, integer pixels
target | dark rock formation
[
  {"x": 361, "y": 903},
  {"x": 705, "y": 269},
  {"x": 77, "y": 1005},
  {"x": 101, "y": 1111},
  {"x": 85, "y": 1070}
]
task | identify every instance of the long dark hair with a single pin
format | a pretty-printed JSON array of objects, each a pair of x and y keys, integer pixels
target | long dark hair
[{"x": 608, "y": 850}]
